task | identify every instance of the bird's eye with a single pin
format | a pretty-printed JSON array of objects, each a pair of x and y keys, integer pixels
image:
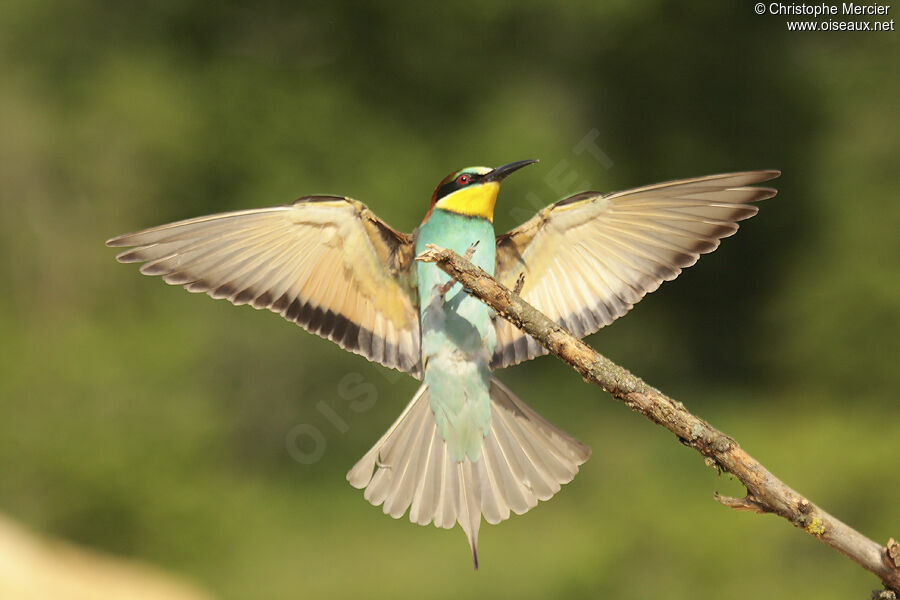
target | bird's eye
[{"x": 462, "y": 179}]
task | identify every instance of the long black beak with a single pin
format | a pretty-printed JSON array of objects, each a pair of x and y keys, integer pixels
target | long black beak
[{"x": 500, "y": 173}]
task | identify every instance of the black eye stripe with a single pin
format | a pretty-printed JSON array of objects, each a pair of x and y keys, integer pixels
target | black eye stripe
[{"x": 453, "y": 185}]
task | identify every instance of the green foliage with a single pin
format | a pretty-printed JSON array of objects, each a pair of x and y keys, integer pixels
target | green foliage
[{"x": 144, "y": 421}]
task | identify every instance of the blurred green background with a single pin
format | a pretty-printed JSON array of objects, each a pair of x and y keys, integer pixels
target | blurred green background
[{"x": 154, "y": 424}]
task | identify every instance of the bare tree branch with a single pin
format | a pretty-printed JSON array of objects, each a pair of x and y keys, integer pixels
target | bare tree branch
[{"x": 765, "y": 492}]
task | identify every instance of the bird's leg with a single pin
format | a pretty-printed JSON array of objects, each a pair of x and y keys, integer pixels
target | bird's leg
[
  {"x": 469, "y": 253},
  {"x": 445, "y": 287},
  {"x": 520, "y": 283}
]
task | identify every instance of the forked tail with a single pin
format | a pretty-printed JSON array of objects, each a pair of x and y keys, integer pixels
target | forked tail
[{"x": 524, "y": 459}]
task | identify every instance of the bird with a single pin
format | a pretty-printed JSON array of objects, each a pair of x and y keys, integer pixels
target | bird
[{"x": 465, "y": 448}]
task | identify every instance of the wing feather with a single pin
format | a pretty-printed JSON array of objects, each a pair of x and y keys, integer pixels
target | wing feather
[
  {"x": 327, "y": 263},
  {"x": 589, "y": 258}
]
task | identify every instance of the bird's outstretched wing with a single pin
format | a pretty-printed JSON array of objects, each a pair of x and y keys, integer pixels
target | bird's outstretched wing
[
  {"x": 325, "y": 262},
  {"x": 589, "y": 258}
]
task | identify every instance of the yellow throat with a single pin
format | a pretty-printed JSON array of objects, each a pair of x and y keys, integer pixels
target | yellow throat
[{"x": 473, "y": 201}]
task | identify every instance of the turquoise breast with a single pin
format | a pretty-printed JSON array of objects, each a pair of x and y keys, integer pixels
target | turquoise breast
[{"x": 458, "y": 337}]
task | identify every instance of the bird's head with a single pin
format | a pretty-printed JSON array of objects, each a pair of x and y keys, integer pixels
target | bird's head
[{"x": 472, "y": 191}]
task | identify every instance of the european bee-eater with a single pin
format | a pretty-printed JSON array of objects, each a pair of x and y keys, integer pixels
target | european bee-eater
[{"x": 465, "y": 447}]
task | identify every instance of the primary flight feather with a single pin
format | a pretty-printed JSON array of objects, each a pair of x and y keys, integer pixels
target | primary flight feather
[{"x": 465, "y": 448}]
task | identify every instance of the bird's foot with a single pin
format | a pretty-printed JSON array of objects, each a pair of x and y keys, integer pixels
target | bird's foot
[
  {"x": 445, "y": 287},
  {"x": 468, "y": 254}
]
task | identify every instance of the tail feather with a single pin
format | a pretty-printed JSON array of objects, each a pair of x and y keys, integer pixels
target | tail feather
[
  {"x": 361, "y": 473},
  {"x": 424, "y": 499},
  {"x": 469, "y": 505},
  {"x": 401, "y": 493},
  {"x": 524, "y": 459}
]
